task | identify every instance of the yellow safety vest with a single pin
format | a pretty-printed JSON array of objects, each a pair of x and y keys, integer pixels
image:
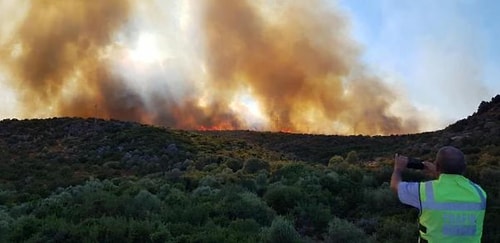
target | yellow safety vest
[{"x": 453, "y": 210}]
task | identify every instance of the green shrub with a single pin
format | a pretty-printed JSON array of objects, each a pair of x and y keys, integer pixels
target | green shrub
[
  {"x": 55, "y": 229},
  {"x": 209, "y": 233},
  {"x": 352, "y": 157},
  {"x": 245, "y": 225},
  {"x": 245, "y": 205},
  {"x": 291, "y": 173},
  {"x": 6, "y": 196},
  {"x": 205, "y": 160},
  {"x": 112, "y": 165},
  {"x": 23, "y": 228},
  {"x": 234, "y": 164},
  {"x": 243, "y": 230},
  {"x": 487, "y": 159},
  {"x": 254, "y": 165},
  {"x": 340, "y": 230},
  {"x": 162, "y": 234},
  {"x": 197, "y": 214},
  {"x": 261, "y": 183},
  {"x": 336, "y": 159},
  {"x": 248, "y": 184},
  {"x": 210, "y": 167},
  {"x": 282, "y": 231},
  {"x": 491, "y": 231},
  {"x": 144, "y": 204},
  {"x": 379, "y": 199},
  {"x": 394, "y": 229},
  {"x": 312, "y": 219},
  {"x": 210, "y": 181},
  {"x": 330, "y": 182},
  {"x": 490, "y": 182},
  {"x": 177, "y": 197},
  {"x": 5, "y": 224},
  {"x": 283, "y": 198},
  {"x": 204, "y": 191}
]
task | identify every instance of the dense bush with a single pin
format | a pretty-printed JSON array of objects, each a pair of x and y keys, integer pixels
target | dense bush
[
  {"x": 5, "y": 224},
  {"x": 340, "y": 230},
  {"x": 254, "y": 165},
  {"x": 283, "y": 198},
  {"x": 352, "y": 157},
  {"x": 244, "y": 205},
  {"x": 77, "y": 180},
  {"x": 234, "y": 164},
  {"x": 379, "y": 199},
  {"x": 282, "y": 231},
  {"x": 334, "y": 160},
  {"x": 394, "y": 229}
]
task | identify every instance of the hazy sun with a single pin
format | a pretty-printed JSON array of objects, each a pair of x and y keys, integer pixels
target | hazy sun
[
  {"x": 146, "y": 49},
  {"x": 249, "y": 110}
]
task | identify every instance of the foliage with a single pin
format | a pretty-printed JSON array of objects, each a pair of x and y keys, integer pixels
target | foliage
[
  {"x": 91, "y": 180},
  {"x": 282, "y": 231},
  {"x": 334, "y": 160},
  {"x": 234, "y": 164},
  {"x": 379, "y": 199},
  {"x": 395, "y": 229},
  {"x": 340, "y": 230},
  {"x": 5, "y": 224},
  {"x": 352, "y": 157},
  {"x": 254, "y": 165},
  {"x": 283, "y": 198}
]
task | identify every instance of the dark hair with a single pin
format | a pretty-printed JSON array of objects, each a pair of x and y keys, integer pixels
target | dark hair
[{"x": 450, "y": 160}]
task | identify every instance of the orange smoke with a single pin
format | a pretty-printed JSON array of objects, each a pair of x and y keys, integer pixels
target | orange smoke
[
  {"x": 61, "y": 69},
  {"x": 301, "y": 66},
  {"x": 294, "y": 60}
]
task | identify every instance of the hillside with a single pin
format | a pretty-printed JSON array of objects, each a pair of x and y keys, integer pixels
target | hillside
[
  {"x": 73, "y": 179},
  {"x": 476, "y": 134},
  {"x": 35, "y": 153}
]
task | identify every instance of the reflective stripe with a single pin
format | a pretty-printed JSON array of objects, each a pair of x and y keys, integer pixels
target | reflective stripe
[
  {"x": 463, "y": 230},
  {"x": 453, "y": 206},
  {"x": 429, "y": 191},
  {"x": 430, "y": 203}
]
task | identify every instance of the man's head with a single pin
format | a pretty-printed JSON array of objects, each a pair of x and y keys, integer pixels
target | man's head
[{"x": 450, "y": 160}]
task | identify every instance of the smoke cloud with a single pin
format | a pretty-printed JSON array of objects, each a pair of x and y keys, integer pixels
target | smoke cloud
[
  {"x": 209, "y": 64},
  {"x": 57, "y": 59}
]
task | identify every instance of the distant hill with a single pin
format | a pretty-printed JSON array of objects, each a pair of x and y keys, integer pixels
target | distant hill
[
  {"x": 485, "y": 120},
  {"x": 479, "y": 133}
]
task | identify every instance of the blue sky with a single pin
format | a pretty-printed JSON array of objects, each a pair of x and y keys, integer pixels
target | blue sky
[{"x": 443, "y": 54}]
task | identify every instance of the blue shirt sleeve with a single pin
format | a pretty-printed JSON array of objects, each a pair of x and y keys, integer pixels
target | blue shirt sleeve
[{"x": 408, "y": 193}]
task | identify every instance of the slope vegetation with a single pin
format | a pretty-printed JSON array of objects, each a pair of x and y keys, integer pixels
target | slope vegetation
[{"x": 73, "y": 180}]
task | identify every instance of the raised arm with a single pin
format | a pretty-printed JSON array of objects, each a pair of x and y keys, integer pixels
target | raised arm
[{"x": 400, "y": 163}]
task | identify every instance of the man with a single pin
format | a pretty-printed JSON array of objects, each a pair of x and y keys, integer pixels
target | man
[{"x": 452, "y": 207}]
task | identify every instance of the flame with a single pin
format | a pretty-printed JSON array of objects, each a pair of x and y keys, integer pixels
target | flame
[
  {"x": 219, "y": 127},
  {"x": 286, "y": 130}
]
